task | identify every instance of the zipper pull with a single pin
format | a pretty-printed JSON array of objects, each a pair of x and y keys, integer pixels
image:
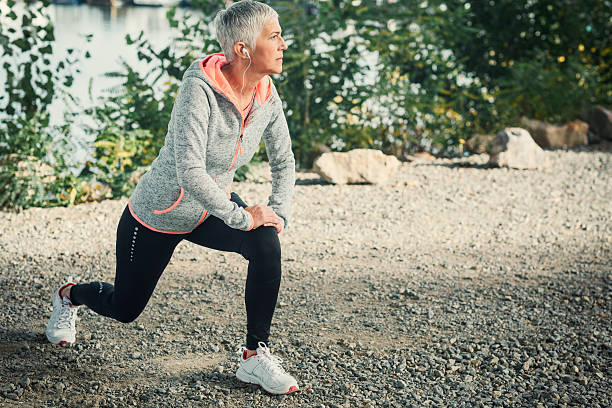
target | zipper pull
[{"x": 240, "y": 144}]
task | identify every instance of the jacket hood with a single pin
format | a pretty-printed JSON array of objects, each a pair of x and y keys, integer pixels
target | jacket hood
[{"x": 210, "y": 67}]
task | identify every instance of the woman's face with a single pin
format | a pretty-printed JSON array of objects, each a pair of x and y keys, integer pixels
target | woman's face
[{"x": 269, "y": 47}]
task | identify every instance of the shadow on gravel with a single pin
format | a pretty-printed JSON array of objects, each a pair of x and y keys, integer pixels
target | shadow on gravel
[
  {"x": 18, "y": 336},
  {"x": 603, "y": 147},
  {"x": 486, "y": 166},
  {"x": 311, "y": 182}
]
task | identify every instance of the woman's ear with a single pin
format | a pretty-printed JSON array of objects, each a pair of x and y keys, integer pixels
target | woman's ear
[{"x": 240, "y": 49}]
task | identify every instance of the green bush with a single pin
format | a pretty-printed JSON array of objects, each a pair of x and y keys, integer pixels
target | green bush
[
  {"x": 452, "y": 69},
  {"x": 27, "y": 175},
  {"x": 548, "y": 92},
  {"x": 546, "y": 59},
  {"x": 21, "y": 173},
  {"x": 321, "y": 73}
]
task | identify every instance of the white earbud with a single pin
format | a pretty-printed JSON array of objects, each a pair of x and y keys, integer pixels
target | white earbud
[{"x": 245, "y": 52}]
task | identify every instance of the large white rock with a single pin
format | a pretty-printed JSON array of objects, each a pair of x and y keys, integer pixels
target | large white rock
[
  {"x": 514, "y": 147},
  {"x": 356, "y": 166}
]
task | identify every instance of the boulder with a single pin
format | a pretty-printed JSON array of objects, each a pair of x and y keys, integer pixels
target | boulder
[
  {"x": 546, "y": 135},
  {"x": 356, "y": 166},
  {"x": 600, "y": 123},
  {"x": 478, "y": 143},
  {"x": 515, "y": 148},
  {"x": 420, "y": 157},
  {"x": 317, "y": 150}
]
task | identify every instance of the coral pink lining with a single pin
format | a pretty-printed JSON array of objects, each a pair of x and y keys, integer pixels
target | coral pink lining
[
  {"x": 173, "y": 206},
  {"x": 211, "y": 68},
  {"x": 59, "y": 291},
  {"x": 202, "y": 218},
  {"x": 150, "y": 227},
  {"x": 247, "y": 109}
]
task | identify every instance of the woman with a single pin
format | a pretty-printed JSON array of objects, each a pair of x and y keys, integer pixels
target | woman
[{"x": 226, "y": 103}]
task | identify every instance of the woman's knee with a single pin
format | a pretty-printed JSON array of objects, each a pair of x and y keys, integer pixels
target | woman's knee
[
  {"x": 126, "y": 309},
  {"x": 264, "y": 245},
  {"x": 127, "y": 315}
]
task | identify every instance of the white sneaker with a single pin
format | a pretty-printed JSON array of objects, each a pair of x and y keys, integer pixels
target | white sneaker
[
  {"x": 61, "y": 327},
  {"x": 264, "y": 369}
]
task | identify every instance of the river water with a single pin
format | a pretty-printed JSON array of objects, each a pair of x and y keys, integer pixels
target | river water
[{"x": 108, "y": 27}]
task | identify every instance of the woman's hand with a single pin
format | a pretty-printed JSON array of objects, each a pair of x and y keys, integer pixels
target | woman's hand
[
  {"x": 264, "y": 215},
  {"x": 278, "y": 225}
]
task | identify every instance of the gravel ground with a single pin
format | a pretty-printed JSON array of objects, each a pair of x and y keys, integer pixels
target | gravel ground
[{"x": 454, "y": 285}]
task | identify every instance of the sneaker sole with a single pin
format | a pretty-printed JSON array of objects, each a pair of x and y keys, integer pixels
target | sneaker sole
[
  {"x": 64, "y": 343},
  {"x": 249, "y": 379}
]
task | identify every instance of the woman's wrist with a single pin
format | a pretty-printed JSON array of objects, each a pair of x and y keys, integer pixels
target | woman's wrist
[{"x": 252, "y": 221}]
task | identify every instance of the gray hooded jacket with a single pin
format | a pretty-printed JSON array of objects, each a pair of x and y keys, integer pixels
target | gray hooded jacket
[{"x": 207, "y": 140}]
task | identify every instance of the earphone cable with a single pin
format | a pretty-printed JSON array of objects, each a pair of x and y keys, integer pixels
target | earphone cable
[{"x": 243, "y": 74}]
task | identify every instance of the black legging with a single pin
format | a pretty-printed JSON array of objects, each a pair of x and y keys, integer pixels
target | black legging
[{"x": 143, "y": 254}]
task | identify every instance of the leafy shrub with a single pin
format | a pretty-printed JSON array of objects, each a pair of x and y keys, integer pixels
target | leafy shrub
[
  {"x": 543, "y": 58},
  {"x": 119, "y": 155},
  {"x": 322, "y": 72},
  {"x": 545, "y": 91},
  {"x": 32, "y": 81}
]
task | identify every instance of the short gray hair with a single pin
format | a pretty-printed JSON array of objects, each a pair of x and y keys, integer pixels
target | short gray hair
[{"x": 242, "y": 21}]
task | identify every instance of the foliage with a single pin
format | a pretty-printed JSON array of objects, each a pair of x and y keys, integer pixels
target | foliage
[
  {"x": 129, "y": 128},
  {"x": 32, "y": 80},
  {"x": 494, "y": 34},
  {"x": 33, "y": 170},
  {"x": 548, "y": 92},
  {"x": 322, "y": 71},
  {"x": 22, "y": 186},
  {"x": 451, "y": 69},
  {"x": 19, "y": 164},
  {"x": 544, "y": 58},
  {"x": 120, "y": 153}
]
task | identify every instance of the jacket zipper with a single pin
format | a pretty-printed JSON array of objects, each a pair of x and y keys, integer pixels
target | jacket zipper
[{"x": 238, "y": 148}]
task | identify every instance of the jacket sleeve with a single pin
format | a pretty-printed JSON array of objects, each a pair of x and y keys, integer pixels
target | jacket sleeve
[
  {"x": 190, "y": 133},
  {"x": 282, "y": 163}
]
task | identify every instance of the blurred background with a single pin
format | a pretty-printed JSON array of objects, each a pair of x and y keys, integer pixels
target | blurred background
[{"x": 88, "y": 87}]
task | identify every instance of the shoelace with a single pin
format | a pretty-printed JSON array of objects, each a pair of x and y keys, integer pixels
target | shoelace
[
  {"x": 272, "y": 363},
  {"x": 66, "y": 316}
]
